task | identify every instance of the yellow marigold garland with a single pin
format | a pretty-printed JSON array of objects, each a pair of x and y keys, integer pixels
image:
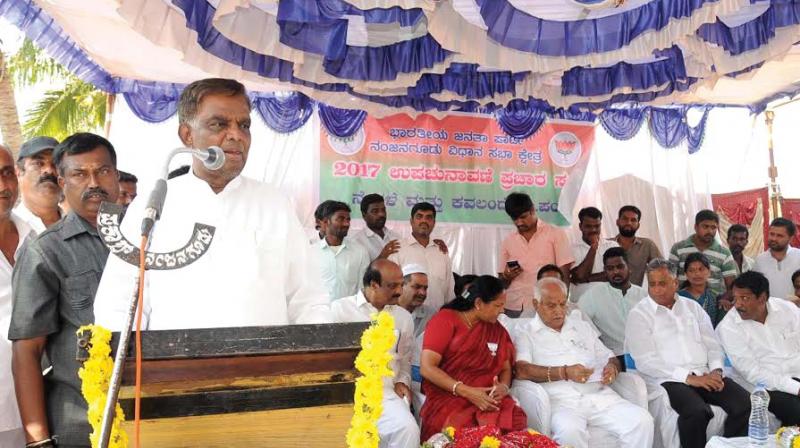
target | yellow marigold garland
[
  {"x": 490, "y": 442},
  {"x": 374, "y": 363},
  {"x": 95, "y": 375}
]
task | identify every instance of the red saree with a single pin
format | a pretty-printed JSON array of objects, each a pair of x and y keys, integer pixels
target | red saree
[{"x": 467, "y": 357}]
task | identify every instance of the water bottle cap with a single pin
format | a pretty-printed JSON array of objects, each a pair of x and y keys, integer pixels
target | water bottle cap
[{"x": 761, "y": 385}]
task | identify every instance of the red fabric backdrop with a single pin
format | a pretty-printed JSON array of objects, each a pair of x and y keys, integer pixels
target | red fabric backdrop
[
  {"x": 740, "y": 207},
  {"x": 791, "y": 210}
]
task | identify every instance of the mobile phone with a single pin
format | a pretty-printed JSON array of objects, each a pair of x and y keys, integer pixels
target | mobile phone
[{"x": 512, "y": 264}]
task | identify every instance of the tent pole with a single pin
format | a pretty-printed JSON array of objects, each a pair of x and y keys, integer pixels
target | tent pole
[
  {"x": 772, "y": 172},
  {"x": 111, "y": 99}
]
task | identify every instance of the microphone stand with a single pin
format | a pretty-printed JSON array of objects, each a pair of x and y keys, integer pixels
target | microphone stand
[{"x": 152, "y": 214}]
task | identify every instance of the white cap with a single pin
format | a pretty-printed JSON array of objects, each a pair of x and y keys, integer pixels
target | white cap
[{"x": 414, "y": 269}]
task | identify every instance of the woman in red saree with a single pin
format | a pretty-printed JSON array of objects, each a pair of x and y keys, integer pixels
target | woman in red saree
[{"x": 466, "y": 364}]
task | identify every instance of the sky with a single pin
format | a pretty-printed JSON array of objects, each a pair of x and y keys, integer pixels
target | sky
[{"x": 735, "y": 141}]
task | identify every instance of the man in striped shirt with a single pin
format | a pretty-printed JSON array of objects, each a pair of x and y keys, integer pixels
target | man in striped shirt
[{"x": 723, "y": 267}]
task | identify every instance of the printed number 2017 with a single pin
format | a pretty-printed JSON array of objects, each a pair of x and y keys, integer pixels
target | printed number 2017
[{"x": 355, "y": 169}]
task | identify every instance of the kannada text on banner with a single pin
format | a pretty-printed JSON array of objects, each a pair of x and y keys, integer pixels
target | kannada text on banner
[{"x": 464, "y": 165}]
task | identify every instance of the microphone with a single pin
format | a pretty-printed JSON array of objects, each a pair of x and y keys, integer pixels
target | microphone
[{"x": 213, "y": 158}]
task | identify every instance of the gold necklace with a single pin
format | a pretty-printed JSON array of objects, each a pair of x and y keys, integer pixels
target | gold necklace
[{"x": 466, "y": 320}]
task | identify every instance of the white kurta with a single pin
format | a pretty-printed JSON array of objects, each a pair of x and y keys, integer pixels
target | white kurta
[
  {"x": 373, "y": 242},
  {"x": 438, "y": 266},
  {"x": 669, "y": 344},
  {"x": 259, "y": 269},
  {"x": 396, "y": 426},
  {"x": 768, "y": 353},
  {"x": 34, "y": 222},
  {"x": 779, "y": 273},
  {"x": 578, "y": 406},
  {"x": 9, "y": 415},
  {"x": 342, "y": 267}
]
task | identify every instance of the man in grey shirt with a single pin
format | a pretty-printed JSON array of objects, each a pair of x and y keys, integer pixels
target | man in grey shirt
[
  {"x": 639, "y": 250},
  {"x": 54, "y": 284}
]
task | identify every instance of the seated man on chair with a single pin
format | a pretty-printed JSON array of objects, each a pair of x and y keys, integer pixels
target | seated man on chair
[
  {"x": 762, "y": 340},
  {"x": 382, "y": 286},
  {"x": 674, "y": 346},
  {"x": 564, "y": 353}
]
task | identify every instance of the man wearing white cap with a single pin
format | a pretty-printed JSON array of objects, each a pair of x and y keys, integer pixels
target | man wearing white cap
[{"x": 415, "y": 291}]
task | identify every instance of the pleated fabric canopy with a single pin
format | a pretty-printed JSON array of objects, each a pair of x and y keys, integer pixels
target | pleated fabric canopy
[{"x": 567, "y": 57}]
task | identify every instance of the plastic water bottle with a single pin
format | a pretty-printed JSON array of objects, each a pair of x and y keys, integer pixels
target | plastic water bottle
[{"x": 758, "y": 432}]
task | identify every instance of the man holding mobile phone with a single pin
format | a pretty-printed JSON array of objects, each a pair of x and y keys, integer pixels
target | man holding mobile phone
[{"x": 524, "y": 252}]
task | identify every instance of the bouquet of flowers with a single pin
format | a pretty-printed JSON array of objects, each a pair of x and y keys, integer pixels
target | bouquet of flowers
[{"x": 488, "y": 436}]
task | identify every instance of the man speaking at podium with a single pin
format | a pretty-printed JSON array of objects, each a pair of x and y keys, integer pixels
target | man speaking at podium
[{"x": 258, "y": 269}]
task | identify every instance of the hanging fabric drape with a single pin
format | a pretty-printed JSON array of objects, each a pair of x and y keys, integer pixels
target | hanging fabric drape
[
  {"x": 519, "y": 120},
  {"x": 622, "y": 124},
  {"x": 341, "y": 122},
  {"x": 152, "y": 102},
  {"x": 285, "y": 113}
]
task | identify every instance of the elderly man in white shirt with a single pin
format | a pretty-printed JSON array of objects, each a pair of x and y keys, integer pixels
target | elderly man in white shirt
[
  {"x": 421, "y": 249},
  {"x": 342, "y": 260},
  {"x": 564, "y": 354},
  {"x": 14, "y": 234},
  {"x": 383, "y": 282},
  {"x": 588, "y": 252},
  {"x": 674, "y": 346},
  {"x": 608, "y": 304},
  {"x": 259, "y": 268},
  {"x": 762, "y": 340}
]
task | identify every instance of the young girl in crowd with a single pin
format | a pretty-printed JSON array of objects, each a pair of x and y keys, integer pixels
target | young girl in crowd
[{"x": 698, "y": 270}]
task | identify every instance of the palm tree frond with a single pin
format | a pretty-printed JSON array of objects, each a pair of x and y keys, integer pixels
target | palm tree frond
[
  {"x": 30, "y": 65},
  {"x": 62, "y": 112}
]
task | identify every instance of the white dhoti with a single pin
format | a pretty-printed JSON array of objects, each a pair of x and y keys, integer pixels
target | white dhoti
[
  {"x": 397, "y": 427},
  {"x": 572, "y": 418}
]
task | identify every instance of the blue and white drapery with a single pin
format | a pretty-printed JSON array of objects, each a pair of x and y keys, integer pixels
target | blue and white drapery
[{"x": 412, "y": 56}]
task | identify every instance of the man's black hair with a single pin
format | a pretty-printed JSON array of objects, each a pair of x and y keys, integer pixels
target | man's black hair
[
  {"x": 79, "y": 143},
  {"x": 706, "y": 215},
  {"x": 366, "y": 201},
  {"x": 424, "y": 207},
  {"x": 630, "y": 208},
  {"x": 755, "y": 281},
  {"x": 790, "y": 227},
  {"x": 517, "y": 204},
  {"x": 590, "y": 212}
]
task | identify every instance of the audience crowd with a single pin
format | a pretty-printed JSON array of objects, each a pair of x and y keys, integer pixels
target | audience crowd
[{"x": 592, "y": 330}]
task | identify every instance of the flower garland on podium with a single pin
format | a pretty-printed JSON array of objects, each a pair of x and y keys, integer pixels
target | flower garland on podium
[
  {"x": 95, "y": 375},
  {"x": 374, "y": 363}
]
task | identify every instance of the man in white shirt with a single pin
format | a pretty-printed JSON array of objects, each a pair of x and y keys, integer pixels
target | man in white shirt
[
  {"x": 762, "y": 340},
  {"x": 738, "y": 235},
  {"x": 14, "y": 233},
  {"x": 564, "y": 354},
  {"x": 781, "y": 260},
  {"x": 379, "y": 240},
  {"x": 674, "y": 346},
  {"x": 259, "y": 268},
  {"x": 588, "y": 253},
  {"x": 382, "y": 284},
  {"x": 38, "y": 184},
  {"x": 420, "y": 249},
  {"x": 342, "y": 260},
  {"x": 415, "y": 292},
  {"x": 608, "y": 304}
]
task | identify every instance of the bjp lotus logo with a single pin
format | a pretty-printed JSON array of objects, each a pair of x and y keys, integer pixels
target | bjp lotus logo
[{"x": 565, "y": 149}]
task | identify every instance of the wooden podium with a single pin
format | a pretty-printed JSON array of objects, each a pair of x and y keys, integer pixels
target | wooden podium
[{"x": 281, "y": 386}]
